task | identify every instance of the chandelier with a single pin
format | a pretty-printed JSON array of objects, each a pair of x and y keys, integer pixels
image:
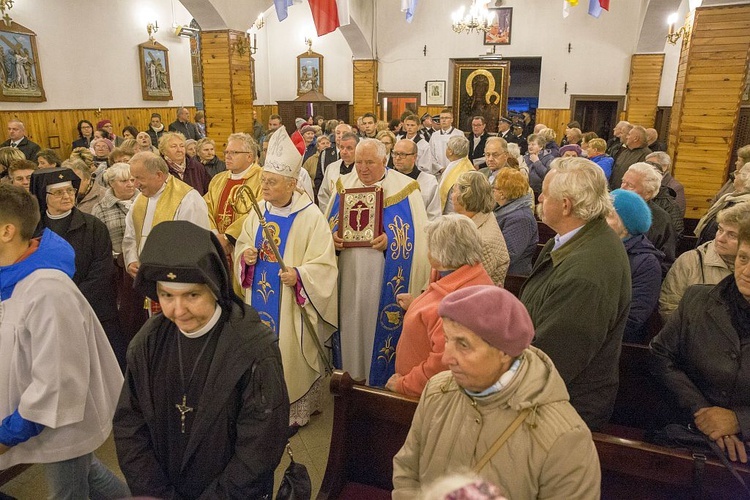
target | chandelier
[{"x": 479, "y": 19}]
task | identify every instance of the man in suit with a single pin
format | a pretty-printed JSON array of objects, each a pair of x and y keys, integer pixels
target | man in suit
[
  {"x": 477, "y": 139},
  {"x": 17, "y": 139}
]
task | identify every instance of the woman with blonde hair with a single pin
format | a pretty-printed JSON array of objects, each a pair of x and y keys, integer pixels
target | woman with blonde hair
[
  {"x": 7, "y": 156},
  {"x": 472, "y": 196},
  {"x": 515, "y": 217},
  {"x": 389, "y": 139}
]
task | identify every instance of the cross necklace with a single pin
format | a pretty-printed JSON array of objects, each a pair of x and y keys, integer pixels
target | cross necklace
[{"x": 183, "y": 408}]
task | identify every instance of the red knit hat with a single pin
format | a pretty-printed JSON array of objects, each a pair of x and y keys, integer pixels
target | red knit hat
[
  {"x": 102, "y": 123},
  {"x": 492, "y": 313}
]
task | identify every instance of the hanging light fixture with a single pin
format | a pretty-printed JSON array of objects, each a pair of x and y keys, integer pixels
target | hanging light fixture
[{"x": 478, "y": 19}]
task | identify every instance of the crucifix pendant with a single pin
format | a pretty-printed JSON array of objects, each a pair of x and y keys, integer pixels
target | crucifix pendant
[{"x": 183, "y": 409}]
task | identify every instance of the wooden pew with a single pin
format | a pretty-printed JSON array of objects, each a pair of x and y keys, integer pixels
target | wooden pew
[{"x": 370, "y": 426}]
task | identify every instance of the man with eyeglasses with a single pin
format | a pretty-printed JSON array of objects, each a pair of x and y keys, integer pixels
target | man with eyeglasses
[
  {"x": 242, "y": 170},
  {"x": 162, "y": 197},
  {"x": 478, "y": 139},
  {"x": 404, "y": 156},
  {"x": 496, "y": 157}
]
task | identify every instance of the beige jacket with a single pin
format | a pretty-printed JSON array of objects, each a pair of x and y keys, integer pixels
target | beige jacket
[
  {"x": 686, "y": 271},
  {"x": 495, "y": 257},
  {"x": 551, "y": 455}
]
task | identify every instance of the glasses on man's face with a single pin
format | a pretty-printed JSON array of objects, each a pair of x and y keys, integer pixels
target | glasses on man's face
[
  {"x": 234, "y": 153},
  {"x": 401, "y": 155},
  {"x": 59, "y": 193}
]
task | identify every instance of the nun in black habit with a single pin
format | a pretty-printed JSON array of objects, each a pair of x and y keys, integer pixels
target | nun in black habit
[
  {"x": 204, "y": 411},
  {"x": 55, "y": 189}
]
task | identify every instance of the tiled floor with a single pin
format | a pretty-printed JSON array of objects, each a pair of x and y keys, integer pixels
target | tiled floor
[{"x": 309, "y": 446}]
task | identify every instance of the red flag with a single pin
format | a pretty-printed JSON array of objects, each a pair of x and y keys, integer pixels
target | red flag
[
  {"x": 604, "y": 4},
  {"x": 325, "y": 14}
]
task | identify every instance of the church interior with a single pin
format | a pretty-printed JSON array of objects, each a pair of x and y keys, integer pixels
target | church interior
[{"x": 680, "y": 67}]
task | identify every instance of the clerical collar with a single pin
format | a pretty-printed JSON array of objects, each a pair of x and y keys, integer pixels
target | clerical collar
[
  {"x": 236, "y": 177},
  {"x": 501, "y": 384},
  {"x": 61, "y": 216},
  {"x": 205, "y": 328},
  {"x": 413, "y": 174},
  {"x": 159, "y": 192},
  {"x": 344, "y": 168},
  {"x": 449, "y": 131}
]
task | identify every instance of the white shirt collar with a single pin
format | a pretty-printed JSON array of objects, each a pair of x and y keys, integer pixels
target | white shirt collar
[{"x": 560, "y": 240}]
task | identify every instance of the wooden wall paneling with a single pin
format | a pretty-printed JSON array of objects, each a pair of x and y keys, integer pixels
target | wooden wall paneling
[
  {"x": 365, "y": 86},
  {"x": 556, "y": 119},
  {"x": 41, "y": 125},
  {"x": 242, "y": 90},
  {"x": 711, "y": 74},
  {"x": 643, "y": 89}
]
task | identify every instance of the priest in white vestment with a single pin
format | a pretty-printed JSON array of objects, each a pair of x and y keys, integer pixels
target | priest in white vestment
[
  {"x": 162, "y": 197},
  {"x": 308, "y": 286},
  {"x": 371, "y": 277}
]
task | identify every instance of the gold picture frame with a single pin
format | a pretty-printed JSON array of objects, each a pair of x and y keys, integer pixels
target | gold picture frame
[
  {"x": 20, "y": 75},
  {"x": 309, "y": 72},
  {"x": 480, "y": 87},
  {"x": 154, "y": 64}
]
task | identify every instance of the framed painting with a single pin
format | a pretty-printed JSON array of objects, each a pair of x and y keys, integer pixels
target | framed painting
[
  {"x": 480, "y": 87},
  {"x": 309, "y": 72},
  {"x": 435, "y": 91},
  {"x": 499, "y": 33},
  {"x": 154, "y": 59},
  {"x": 20, "y": 76}
]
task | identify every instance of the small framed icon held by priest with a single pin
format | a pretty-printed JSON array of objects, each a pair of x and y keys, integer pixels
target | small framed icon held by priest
[{"x": 360, "y": 216}]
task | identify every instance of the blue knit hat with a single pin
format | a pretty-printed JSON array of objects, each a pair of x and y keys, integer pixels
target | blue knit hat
[{"x": 633, "y": 211}]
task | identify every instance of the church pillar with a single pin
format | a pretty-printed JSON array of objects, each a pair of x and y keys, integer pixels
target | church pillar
[
  {"x": 227, "y": 84},
  {"x": 365, "y": 87},
  {"x": 643, "y": 88},
  {"x": 710, "y": 79}
]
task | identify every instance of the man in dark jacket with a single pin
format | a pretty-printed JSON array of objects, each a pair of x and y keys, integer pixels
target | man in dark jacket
[
  {"x": 578, "y": 293},
  {"x": 183, "y": 125},
  {"x": 635, "y": 151},
  {"x": 204, "y": 411},
  {"x": 17, "y": 139},
  {"x": 477, "y": 139}
]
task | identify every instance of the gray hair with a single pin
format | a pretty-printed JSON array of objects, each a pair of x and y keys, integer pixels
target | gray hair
[
  {"x": 583, "y": 183},
  {"x": 743, "y": 175},
  {"x": 379, "y": 146},
  {"x": 16, "y": 120},
  {"x": 499, "y": 140},
  {"x": 642, "y": 138},
  {"x": 78, "y": 166},
  {"x": 459, "y": 144},
  {"x": 247, "y": 142},
  {"x": 651, "y": 178},
  {"x": 453, "y": 240},
  {"x": 663, "y": 159},
  {"x": 117, "y": 172},
  {"x": 151, "y": 162},
  {"x": 734, "y": 215},
  {"x": 548, "y": 134},
  {"x": 474, "y": 192}
]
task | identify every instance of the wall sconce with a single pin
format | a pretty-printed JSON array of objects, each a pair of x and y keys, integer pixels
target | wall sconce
[
  {"x": 683, "y": 32},
  {"x": 6, "y": 5},
  {"x": 242, "y": 45},
  {"x": 259, "y": 21},
  {"x": 151, "y": 29}
]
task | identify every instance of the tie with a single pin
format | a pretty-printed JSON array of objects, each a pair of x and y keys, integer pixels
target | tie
[{"x": 14, "y": 144}]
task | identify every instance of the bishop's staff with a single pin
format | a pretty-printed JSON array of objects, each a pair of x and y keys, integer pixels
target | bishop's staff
[{"x": 241, "y": 206}]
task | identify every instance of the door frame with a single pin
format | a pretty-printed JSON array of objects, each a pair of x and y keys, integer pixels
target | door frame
[
  {"x": 575, "y": 98},
  {"x": 390, "y": 95}
]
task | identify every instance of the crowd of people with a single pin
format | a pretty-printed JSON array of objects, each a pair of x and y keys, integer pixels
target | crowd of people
[{"x": 195, "y": 304}]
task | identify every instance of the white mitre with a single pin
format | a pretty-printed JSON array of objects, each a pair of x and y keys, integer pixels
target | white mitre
[{"x": 282, "y": 156}]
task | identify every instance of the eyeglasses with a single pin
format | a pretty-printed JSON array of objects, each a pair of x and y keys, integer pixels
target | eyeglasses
[
  {"x": 401, "y": 155},
  {"x": 233, "y": 153},
  {"x": 59, "y": 193}
]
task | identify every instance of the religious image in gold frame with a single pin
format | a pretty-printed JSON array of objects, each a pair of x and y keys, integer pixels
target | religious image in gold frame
[
  {"x": 480, "y": 87},
  {"x": 154, "y": 59},
  {"x": 20, "y": 77}
]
